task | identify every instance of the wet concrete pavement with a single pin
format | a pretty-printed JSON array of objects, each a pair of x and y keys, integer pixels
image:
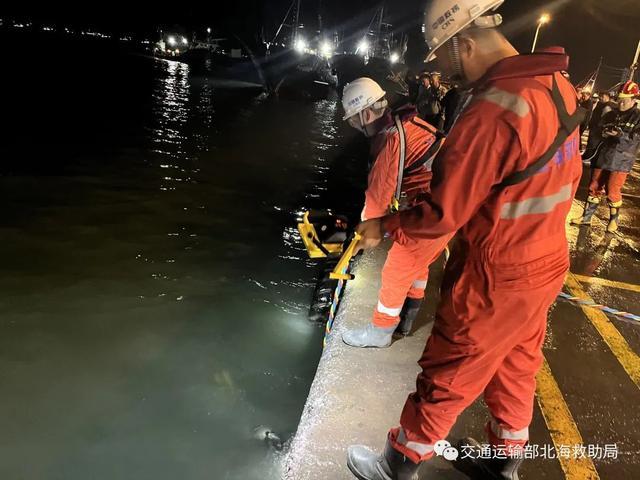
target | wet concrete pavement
[{"x": 586, "y": 421}]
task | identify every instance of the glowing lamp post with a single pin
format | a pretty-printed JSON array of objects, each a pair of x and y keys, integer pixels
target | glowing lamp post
[
  {"x": 363, "y": 47},
  {"x": 326, "y": 49},
  {"x": 543, "y": 20},
  {"x": 300, "y": 45}
]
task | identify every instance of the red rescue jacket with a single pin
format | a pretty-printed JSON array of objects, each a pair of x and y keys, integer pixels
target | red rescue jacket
[
  {"x": 510, "y": 123},
  {"x": 383, "y": 176}
]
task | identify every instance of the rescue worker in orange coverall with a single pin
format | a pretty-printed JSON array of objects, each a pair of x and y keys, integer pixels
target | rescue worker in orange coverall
[
  {"x": 504, "y": 180},
  {"x": 403, "y": 146}
]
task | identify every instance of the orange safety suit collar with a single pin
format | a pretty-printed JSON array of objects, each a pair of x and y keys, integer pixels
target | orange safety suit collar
[{"x": 545, "y": 62}]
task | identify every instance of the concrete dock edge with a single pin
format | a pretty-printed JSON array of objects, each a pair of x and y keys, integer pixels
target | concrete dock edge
[{"x": 357, "y": 394}]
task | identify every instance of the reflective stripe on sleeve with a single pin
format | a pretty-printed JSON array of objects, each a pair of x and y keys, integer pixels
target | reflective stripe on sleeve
[
  {"x": 509, "y": 101},
  {"x": 536, "y": 205},
  {"x": 392, "y": 312},
  {"x": 421, "y": 449},
  {"x": 422, "y": 284}
]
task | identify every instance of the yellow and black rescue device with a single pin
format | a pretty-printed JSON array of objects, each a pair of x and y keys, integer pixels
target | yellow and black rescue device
[
  {"x": 323, "y": 234},
  {"x": 339, "y": 272}
]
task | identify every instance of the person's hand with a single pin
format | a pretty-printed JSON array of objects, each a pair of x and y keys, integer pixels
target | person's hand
[
  {"x": 612, "y": 132},
  {"x": 371, "y": 233}
]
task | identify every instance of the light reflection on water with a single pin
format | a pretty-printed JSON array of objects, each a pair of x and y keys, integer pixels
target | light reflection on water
[{"x": 161, "y": 314}]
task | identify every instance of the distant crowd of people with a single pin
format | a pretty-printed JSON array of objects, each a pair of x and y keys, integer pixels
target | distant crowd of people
[{"x": 436, "y": 103}]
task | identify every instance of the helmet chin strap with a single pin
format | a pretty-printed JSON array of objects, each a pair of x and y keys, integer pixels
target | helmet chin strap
[
  {"x": 363, "y": 127},
  {"x": 368, "y": 128},
  {"x": 484, "y": 22},
  {"x": 456, "y": 62}
]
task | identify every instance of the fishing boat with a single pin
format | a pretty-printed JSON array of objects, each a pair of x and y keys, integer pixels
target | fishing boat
[
  {"x": 171, "y": 45},
  {"x": 378, "y": 54},
  {"x": 297, "y": 64},
  {"x": 223, "y": 63}
]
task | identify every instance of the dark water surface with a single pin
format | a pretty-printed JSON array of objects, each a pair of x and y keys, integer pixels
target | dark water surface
[{"x": 154, "y": 295}]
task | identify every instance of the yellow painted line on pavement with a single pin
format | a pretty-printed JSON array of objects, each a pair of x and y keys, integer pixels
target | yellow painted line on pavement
[
  {"x": 607, "y": 283},
  {"x": 562, "y": 427},
  {"x": 629, "y": 360}
]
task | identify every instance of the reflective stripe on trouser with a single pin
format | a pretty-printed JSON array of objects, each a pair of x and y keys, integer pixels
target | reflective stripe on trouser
[
  {"x": 511, "y": 442},
  {"x": 478, "y": 344},
  {"x": 499, "y": 431},
  {"x": 604, "y": 181},
  {"x": 405, "y": 274},
  {"x": 398, "y": 437}
]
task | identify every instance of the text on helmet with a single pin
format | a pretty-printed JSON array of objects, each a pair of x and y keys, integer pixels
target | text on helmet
[
  {"x": 446, "y": 20},
  {"x": 355, "y": 101}
]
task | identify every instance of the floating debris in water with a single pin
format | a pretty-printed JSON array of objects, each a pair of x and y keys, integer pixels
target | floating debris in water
[{"x": 266, "y": 435}]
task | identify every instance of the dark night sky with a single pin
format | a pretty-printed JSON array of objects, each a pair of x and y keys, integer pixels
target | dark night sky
[{"x": 587, "y": 28}]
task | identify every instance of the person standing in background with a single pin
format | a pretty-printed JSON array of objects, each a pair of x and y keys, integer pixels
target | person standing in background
[
  {"x": 586, "y": 103},
  {"x": 604, "y": 106},
  {"x": 614, "y": 161}
]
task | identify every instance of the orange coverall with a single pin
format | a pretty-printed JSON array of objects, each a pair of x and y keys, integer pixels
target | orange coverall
[
  {"x": 406, "y": 270},
  {"x": 510, "y": 262}
]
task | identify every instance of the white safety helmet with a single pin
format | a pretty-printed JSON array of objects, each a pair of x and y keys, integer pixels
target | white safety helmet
[
  {"x": 361, "y": 94},
  {"x": 444, "y": 19}
]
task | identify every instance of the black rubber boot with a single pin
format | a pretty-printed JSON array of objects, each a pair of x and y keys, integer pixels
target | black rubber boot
[
  {"x": 392, "y": 465},
  {"x": 408, "y": 316},
  {"x": 589, "y": 209},
  {"x": 485, "y": 469},
  {"x": 614, "y": 215}
]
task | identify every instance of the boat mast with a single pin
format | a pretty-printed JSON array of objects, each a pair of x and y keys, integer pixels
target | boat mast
[
  {"x": 378, "y": 48},
  {"x": 284, "y": 20},
  {"x": 634, "y": 64},
  {"x": 595, "y": 79},
  {"x": 297, "y": 24}
]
